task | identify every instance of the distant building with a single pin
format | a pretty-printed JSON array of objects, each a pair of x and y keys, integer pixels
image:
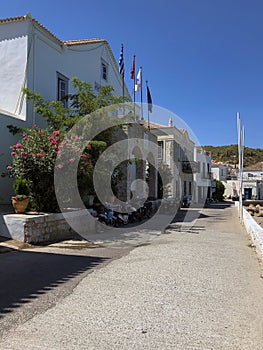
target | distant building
[
  {"x": 176, "y": 151},
  {"x": 252, "y": 185},
  {"x": 219, "y": 172},
  {"x": 204, "y": 184}
]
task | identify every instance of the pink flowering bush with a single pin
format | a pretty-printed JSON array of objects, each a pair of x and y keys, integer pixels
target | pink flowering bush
[{"x": 34, "y": 159}]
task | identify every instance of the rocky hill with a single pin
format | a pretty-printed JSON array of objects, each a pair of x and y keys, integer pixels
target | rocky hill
[{"x": 253, "y": 157}]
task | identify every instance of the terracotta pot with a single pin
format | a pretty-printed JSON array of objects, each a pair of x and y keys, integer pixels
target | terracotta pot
[{"x": 20, "y": 205}]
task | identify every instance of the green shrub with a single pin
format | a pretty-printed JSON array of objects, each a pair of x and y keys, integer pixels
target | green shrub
[{"x": 21, "y": 187}]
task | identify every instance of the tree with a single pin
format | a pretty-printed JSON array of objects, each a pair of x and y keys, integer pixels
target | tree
[
  {"x": 34, "y": 157},
  {"x": 219, "y": 192},
  {"x": 83, "y": 102}
]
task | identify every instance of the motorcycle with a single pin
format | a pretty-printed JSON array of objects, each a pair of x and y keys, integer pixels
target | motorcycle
[{"x": 186, "y": 202}]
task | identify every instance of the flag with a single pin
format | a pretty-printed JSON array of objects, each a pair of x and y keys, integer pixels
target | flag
[
  {"x": 133, "y": 68},
  {"x": 138, "y": 82},
  {"x": 149, "y": 99},
  {"x": 121, "y": 62}
]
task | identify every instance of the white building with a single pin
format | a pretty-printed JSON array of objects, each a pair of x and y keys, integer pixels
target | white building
[
  {"x": 176, "y": 150},
  {"x": 203, "y": 177},
  {"x": 219, "y": 172},
  {"x": 31, "y": 56},
  {"x": 252, "y": 185}
]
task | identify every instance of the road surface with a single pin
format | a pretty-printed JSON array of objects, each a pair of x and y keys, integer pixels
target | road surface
[{"x": 193, "y": 287}]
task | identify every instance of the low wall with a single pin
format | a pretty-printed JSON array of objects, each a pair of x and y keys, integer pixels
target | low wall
[
  {"x": 254, "y": 230},
  {"x": 41, "y": 228}
]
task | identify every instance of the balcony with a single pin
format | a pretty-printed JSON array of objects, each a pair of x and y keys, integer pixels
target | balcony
[{"x": 189, "y": 167}]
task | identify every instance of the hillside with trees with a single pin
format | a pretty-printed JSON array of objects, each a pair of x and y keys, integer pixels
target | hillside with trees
[{"x": 253, "y": 157}]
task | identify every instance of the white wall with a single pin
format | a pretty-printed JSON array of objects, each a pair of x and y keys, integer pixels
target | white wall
[
  {"x": 27, "y": 48},
  {"x": 13, "y": 53},
  {"x": 81, "y": 61},
  {"x": 202, "y": 178},
  {"x": 219, "y": 172}
]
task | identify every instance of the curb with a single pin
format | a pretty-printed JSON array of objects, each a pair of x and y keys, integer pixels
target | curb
[{"x": 254, "y": 230}]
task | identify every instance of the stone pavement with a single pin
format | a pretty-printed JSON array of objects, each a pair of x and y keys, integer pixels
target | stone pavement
[{"x": 195, "y": 287}]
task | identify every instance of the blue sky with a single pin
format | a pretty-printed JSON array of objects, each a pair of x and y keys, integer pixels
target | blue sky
[{"x": 203, "y": 58}]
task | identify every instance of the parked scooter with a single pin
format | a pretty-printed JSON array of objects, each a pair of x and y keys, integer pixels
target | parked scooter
[
  {"x": 186, "y": 201},
  {"x": 117, "y": 215},
  {"x": 107, "y": 217}
]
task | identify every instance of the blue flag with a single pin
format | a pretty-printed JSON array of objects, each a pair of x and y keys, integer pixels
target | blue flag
[{"x": 149, "y": 99}]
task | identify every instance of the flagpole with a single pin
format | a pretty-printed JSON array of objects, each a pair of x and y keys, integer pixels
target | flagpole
[
  {"x": 123, "y": 74},
  {"x": 141, "y": 96},
  {"x": 241, "y": 141},
  {"x": 123, "y": 88},
  {"x": 121, "y": 69},
  {"x": 123, "y": 108},
  {"x": 134, "y": 86}
]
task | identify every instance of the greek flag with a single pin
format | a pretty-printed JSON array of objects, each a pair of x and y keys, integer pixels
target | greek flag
[{"x": 121, "y": 62}]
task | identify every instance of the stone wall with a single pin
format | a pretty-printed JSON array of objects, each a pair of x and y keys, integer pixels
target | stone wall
[{"x": 43, "y": 228}]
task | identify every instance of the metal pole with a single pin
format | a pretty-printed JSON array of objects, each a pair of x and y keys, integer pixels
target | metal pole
[
  {"x": 141, "y": 96},
  {"x": 134, "y": 87}
]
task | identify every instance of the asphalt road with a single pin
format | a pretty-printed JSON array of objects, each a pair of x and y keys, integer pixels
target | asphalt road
[{"x": 198, "y": 286}]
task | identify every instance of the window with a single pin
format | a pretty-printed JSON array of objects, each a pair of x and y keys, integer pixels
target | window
[
  {"x": 62, "y": 88},
  {"x": 190, "y": 188},
  {"x": 183, "y": 154},
  {"x": 104, "y": 70},
  {"x": 160, "y": 150}
]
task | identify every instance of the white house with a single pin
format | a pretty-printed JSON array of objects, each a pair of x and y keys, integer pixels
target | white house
[
  {"x": 31, "y": 56},
  {"x": 220, "y": 172},
  {"x": 252, "y": 185},
  {"x": 203, "y": 177},
  {"x": 176, "y": 150}
]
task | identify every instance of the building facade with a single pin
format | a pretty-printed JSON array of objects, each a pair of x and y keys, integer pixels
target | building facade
[
  {"x": 176, "y": 152},
  {"x": 32, "y": 57},
  {"x": 203, "y": 177},
  {"x": 252, "y": 185},
  {"x": 219, "y": 172}
]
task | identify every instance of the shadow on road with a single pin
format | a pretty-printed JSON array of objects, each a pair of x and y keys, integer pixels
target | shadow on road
[
  {"x": 219, "y": 205},
  {"x": 184, "y": 217},
  {"x": 27, "y": 275}
]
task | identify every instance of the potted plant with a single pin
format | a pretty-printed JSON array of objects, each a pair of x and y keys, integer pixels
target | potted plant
[{"x": 21, "y": 199}]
